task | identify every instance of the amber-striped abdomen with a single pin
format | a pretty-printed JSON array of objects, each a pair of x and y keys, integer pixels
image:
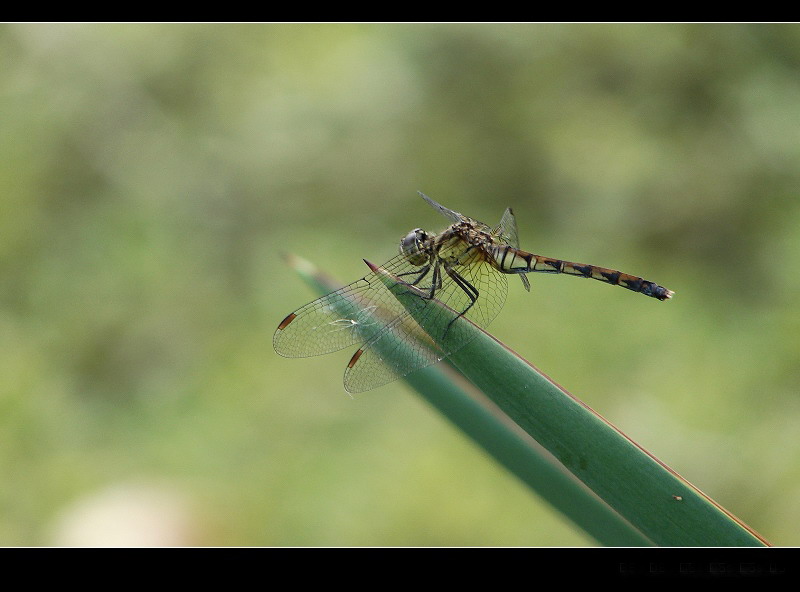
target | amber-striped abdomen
[{"x": 511, "y": 260}]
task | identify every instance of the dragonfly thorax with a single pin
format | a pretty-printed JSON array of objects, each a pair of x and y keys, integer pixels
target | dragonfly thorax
[{"x": 412, "y": 247}]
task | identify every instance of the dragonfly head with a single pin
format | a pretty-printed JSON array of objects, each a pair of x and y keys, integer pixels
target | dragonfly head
[{"x": 413, "y": 247}]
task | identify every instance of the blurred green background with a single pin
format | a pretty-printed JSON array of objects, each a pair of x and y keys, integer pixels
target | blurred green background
[{"x": 151, "y": 176}]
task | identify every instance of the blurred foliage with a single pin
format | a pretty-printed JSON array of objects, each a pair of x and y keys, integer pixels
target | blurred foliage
[{"x": 150, "y": 176}]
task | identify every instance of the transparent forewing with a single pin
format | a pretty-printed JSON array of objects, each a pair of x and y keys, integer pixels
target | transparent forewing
[
  {"x": 507, "y": 233},
  {"x": 353, "y": 314},
  {"x": 399, "y": 349},
  {"x": 446, "y": 212},
  {"x": 435, "y": 331}
]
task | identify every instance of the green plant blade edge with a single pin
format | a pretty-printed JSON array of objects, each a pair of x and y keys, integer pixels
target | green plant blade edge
[{"x": 643, "y": 501}]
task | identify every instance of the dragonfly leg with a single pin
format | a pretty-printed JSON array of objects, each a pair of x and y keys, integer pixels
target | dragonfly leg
[
  {"x": 470, "y": 290},
  {"x": 436, "y": 281},
  {"x": 422, "y": 273}
]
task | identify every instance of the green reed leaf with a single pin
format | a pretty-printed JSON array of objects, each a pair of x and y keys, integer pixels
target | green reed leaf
[{"x": 641, "y": 500}]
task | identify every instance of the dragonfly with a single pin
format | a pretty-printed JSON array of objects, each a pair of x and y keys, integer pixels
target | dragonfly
[{"x": 454, "y": 278}]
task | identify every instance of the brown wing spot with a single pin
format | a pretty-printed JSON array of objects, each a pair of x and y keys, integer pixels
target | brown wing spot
[
  {"x": 285, "y": 322},
  {"x": 354, "y": 359}
]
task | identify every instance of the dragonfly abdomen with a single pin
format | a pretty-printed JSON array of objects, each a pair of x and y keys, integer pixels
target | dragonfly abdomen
[{"x": 511, "y": 260}]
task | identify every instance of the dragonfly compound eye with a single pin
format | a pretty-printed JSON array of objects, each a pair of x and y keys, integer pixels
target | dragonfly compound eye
[{"x": 412, "y": 247}]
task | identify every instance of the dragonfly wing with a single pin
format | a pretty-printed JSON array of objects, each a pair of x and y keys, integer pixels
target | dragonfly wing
[
  {"x": 475, "y": 290},
  {"x": 507, "y": 232},
  {"x": 507, "y": 229},
  {"x": 434, "y": 331},
  {"x": 446, "y": 212},
  {"x": 401, "y": 348},
  {"x": 353, "y": 314}
]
